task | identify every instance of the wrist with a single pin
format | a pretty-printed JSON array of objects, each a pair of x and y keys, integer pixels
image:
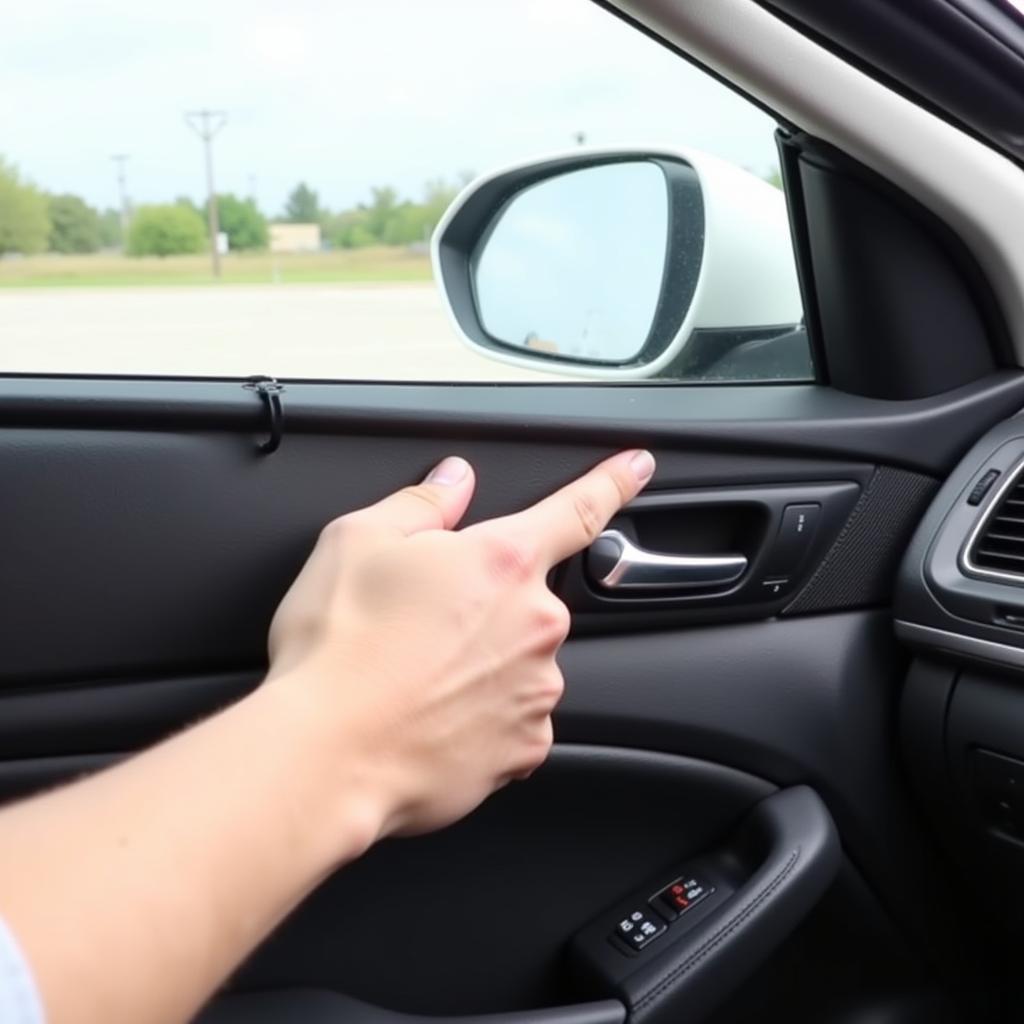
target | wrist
[{"x": 336, "y": 791}]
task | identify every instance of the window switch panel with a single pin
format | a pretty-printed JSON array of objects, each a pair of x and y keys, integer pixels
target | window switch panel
[{"x": 639, "y": 927}]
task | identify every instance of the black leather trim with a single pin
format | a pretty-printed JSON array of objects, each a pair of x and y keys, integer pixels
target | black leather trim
[
  {"x": 794, "y": 847},
  {"x": 677, "y": 974},
  {"x": 311, "y": 1006}
]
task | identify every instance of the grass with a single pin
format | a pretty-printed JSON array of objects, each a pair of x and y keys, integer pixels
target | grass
[{"x": 381, "y": 265}]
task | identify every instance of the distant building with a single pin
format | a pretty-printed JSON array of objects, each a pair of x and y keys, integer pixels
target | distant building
[{"x": 294, "y": 237}]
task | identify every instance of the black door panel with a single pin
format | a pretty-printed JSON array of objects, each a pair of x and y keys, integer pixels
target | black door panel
[
  {"x": 155, "y": 552},
  {"x": 475, "y": 919},
  {"x": 147, "y": 543}
]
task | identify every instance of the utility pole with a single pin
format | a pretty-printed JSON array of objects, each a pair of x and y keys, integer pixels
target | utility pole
[
  {"x": 206, "y": 124},
  {"x": 120, "y": 159}
]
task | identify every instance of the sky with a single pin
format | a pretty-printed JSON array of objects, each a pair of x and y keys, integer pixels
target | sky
[{"x": 342, "y": 94}]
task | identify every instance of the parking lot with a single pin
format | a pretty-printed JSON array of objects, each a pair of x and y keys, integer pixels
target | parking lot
[{"x": 366, "y": 332}]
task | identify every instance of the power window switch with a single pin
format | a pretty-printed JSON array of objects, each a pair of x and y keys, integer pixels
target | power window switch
[
  {"x": 639, "y": 927},
  {"x": 681, "y": 895}
]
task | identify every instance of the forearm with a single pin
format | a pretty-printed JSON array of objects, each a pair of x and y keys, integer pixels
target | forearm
[{"x": 135, "y": 892}]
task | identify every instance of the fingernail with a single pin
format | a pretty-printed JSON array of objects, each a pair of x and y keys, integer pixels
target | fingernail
[
  {"x": 642, "y": 464},
  {"x": 449, "y": 471}
]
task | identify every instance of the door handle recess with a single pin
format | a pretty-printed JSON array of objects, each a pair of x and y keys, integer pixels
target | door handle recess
[{"x": 616, "y": 563}]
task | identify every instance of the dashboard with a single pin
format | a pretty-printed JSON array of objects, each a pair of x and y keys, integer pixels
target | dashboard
[
  {"x": 959, "y": 607},
  {"x": 960, "y": 589}
]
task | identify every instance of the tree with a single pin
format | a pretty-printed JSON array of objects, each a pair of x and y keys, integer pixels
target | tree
[
  {"x": 191, "y": 204},
  {"x": 166, "y": 230},
  {"x": 303, "y": 206},
  {"x": 386, "y": 221},
  {"x": 437, "y": 197},
  {"x": 241, "y": 219},
  {"x": 348, "y": 230},
  {"x": 383, "y": 204},
  {"x": 110, "y": 229},
  {"x": 24, "y": 214},
  {"x": 74, "y": 225},
  {"x": 407, "y": 222}
]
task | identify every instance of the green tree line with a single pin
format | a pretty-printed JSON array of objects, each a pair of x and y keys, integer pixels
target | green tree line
[
  {"x": 33, "y": 221},
  {"x": 386, "y": 219}
]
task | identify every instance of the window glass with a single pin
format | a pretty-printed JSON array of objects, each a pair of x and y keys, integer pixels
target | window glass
[{"x": 335, "y": 136}]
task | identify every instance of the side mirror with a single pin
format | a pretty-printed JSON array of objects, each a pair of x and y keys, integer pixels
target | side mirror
[{"x": 606, "y": 263}]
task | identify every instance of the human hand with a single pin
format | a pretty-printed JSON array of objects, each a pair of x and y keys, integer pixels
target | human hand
[{"x": 429, "y": 654}]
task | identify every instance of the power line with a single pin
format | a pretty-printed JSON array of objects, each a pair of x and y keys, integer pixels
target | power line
[
  {"x": 120, "y": 159},
  {"x": 206, "y": 124}
]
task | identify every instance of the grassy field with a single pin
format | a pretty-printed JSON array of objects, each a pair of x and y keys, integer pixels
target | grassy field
[{"x": 347, "y": 266}]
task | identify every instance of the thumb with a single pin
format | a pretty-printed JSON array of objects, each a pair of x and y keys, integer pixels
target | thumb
[{"x": 438, "y": 503}]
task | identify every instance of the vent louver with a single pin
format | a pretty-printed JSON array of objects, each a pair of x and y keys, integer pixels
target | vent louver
[{"x": 1000, "y": 545}]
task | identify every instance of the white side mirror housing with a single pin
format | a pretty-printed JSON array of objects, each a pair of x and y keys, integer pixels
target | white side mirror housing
[{"x": 605, "y": 263}]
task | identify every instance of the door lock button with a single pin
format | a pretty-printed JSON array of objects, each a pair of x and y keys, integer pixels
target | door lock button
[
  {"x": 681, "y": 895},
  {"x": 794, "y": 539},
  {"x": 639, "y": 927}
]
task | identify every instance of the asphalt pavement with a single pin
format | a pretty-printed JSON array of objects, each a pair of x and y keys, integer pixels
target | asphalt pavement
[{"x": 383, "y": 332}]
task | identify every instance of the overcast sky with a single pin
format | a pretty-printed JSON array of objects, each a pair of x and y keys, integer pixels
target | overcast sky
[{"x": 343, "y": 94}]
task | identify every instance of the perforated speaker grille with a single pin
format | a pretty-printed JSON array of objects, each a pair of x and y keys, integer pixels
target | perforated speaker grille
[{"x": 858, "y": 569}]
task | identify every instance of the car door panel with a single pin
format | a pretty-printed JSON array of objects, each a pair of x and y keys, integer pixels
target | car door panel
[
  {"x": 149, "y": 541},
  {"x": 162, "y": 481}
]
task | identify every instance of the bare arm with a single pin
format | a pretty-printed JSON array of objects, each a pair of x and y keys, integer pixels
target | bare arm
[{"x": 412, "y": 673}]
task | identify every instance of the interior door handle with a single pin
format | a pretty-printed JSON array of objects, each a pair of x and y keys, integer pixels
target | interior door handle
[{"x": 616, "y": 563}]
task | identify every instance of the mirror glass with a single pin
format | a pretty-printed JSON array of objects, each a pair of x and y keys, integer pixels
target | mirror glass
[{"x": 573, "y": 268}]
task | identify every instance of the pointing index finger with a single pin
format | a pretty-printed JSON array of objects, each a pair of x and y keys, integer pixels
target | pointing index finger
[{"x": 573, "y": 517}]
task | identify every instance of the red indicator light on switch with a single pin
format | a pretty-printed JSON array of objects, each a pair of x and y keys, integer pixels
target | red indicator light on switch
[
  {"x": 678, "y": 895},
  {"x": 681, "y": 895}
]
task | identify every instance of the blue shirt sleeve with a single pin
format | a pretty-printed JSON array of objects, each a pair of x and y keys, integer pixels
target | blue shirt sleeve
[{"x": 19, "y": 999}]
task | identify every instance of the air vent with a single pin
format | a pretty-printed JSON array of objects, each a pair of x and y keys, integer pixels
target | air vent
[{"x": 999, "y": 547}]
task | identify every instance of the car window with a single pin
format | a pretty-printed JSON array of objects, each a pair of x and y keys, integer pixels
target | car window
[{"x": 641, "y": 234}]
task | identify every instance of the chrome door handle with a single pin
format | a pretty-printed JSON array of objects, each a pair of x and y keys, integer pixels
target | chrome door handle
[{"x": 616, "y": 563}]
